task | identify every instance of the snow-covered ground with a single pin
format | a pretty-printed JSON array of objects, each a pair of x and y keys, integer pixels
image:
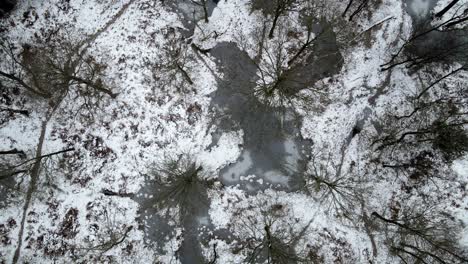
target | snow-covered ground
[{"x": 159, "y": 115}]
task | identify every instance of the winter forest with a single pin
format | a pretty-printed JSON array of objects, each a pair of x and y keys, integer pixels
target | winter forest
[{"x": 234, "y": 131}]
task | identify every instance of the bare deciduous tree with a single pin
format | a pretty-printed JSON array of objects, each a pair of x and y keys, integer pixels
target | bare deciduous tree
[
  {"x": 202, "y": 4},
  {"x": 447, "y": 8},
  {"x": 180, "y": 184},
  {"x": 287, "y": 68},
  {"x": 52, "y": 70},
  {"x": 175, "y": 68},
  {"x": 268, "y": 236},
  {"x": 417, "y": 234},
  {"x": 276, "y": 9},
  {"x": 111, "y": 235},
  {"x": 433, "y": 41},
  {"x": 438, "y": 119},
  {"x": 339, "y": 190},
  {"x": 8, "y": 170},
  {"x": 358, "y": 7}
]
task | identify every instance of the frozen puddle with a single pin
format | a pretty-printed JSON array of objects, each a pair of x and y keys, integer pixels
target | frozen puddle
[
  {"x": 269, "y": 173},
  {"x": 273, "y": 149}
]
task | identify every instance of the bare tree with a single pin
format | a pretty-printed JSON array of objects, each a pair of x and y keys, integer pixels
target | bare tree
[
  {"x": 438, "y": 41},
  {"x": 268, "y": 237},
  {"x": 287, "y": 66},
  {"x": 267, "y": 231},
  {"x": 276, "y": 9},
  {"x": 338, "y": 190},
  {"x": 356, "y": 7},
  {"x": 176, "y": 193},
  {"x": 175, "y": 68},
  {"x": 435, "y": 132},
  {"x": 8, "y": 170},
  {"x": 447, "y": 8},
  {"x": 438, "y": 119},
  {"x": 111, "y": 235},
  {"x": 276, "y": 80},
  {"x": 417, "y": 234},
  {"x": 52, "y": 69},
  {"x": 180, "y": 184}
]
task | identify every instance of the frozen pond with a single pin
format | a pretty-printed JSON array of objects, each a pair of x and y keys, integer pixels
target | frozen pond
[{"x": 273, "y": 153}]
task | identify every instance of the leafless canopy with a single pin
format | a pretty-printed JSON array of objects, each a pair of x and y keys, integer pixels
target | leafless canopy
[
  {"x": 418, "y": 234},
  {"x": 52, "y": 69}
]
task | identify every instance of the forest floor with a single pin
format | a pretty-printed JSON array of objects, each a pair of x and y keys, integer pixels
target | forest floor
[{"x": 184, "y": 89}]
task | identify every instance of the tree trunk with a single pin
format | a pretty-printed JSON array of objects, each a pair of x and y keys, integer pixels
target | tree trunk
[
  {"x": 359, "y": 9},
  {"x": 347, "y": 8},
  {"x": 11, "y": 151},
  {"x": 436, "y": 82},
  {"x": 94, "y": 86},
  {"x": 302, "y": 49},
  {"x": 15, "y": 111},
  {"x": 446, "y": 9},
  {"x": 22, "y": 83},
  {"x": 461, "y": 20},
  {"x": 275, "y": 21},
  {"x": 205, "y": 11},
  {"x": 185, "y": 74}
]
